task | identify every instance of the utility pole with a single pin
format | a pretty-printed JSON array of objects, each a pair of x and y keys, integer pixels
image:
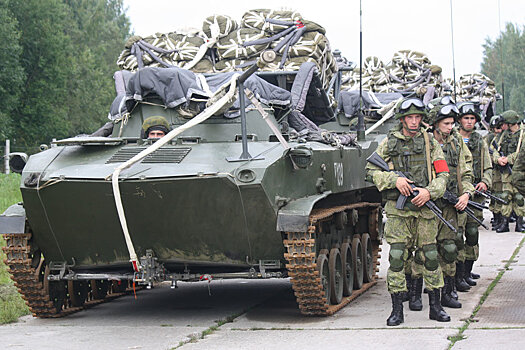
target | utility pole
[{"x": 6, "y": 159}]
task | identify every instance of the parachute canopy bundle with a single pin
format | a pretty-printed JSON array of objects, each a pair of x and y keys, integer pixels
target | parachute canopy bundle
[{"x": 224, "y": 45}]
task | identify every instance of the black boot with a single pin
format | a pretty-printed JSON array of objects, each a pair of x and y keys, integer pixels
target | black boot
[
  {"x": 468, "y": 270},
  {"x": 446, "y": 297},
  {"x": 396, "y": 317},
  {"x": 496, "y": 222},
  {"x": 406, "y": 295},
  {"x": 520, "y": 227},
  {"x": 415, "y": 303},
  {"x": 453, "y": 292},
  {"x": 461, "y": 285},
  {"x": 436, "y": 310},
  {"x": 504, "y": 226},
  {"x": 475, "y": 276}
]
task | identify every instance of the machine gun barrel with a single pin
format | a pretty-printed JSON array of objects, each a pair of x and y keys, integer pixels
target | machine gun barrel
[
  {"x": 376, "y": 160},
  {"x": 489, "y": 195}
]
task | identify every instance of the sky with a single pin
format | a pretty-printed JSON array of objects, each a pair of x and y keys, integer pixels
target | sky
[{"x": 387, "y": 25}]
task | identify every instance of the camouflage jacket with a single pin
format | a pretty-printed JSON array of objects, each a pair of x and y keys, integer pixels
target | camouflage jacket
[
  {"x": 385, "y": 180},
  {"x": 462, "y": 163},
  {"x": 481, "y": 158},
  {"x": 518, "y": 172},
  {"x": 508, "y": 145}
]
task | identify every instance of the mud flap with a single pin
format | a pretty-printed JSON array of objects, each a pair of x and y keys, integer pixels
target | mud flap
[
  {"x": 294, "y": 216},
  {"x": 13, "y": 220}
]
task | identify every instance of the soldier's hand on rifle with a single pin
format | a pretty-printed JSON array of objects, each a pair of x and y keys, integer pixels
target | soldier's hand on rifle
[
  {"x": 403, "y": 185},
  {"x": 422, "y": 197},
  {"x": 502, "y": 161},
  {"x": 481, "y": 186},
  {"x": 462, "y": 202}
]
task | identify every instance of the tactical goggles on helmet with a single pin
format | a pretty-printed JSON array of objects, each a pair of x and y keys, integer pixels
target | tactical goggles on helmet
[
  {"x": 468, "y": 108},
  {"x": 449, "y": 110},
  {"x": 446, "y": 100},
  {"x": 416, "y": 102}
]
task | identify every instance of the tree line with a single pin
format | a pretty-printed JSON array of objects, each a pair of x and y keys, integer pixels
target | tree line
[
  {"x": 504, "y": 63},
  {"x": 57, "y": 59}
]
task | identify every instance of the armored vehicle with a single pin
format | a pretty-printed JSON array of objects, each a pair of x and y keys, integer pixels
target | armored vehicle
[{"x": 259, "y": 177}]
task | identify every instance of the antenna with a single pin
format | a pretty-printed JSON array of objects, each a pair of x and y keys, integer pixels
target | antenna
[
  {"x": 360, "y": 116},
  {"x": 502, "y": 65},
  {"x": 453, "y": 58}
]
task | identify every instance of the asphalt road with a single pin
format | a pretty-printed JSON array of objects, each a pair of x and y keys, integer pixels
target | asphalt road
[{"x": 262, "y": 314}]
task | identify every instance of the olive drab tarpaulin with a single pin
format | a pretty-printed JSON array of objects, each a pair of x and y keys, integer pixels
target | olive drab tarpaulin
[{"x": 225, "y": 46}]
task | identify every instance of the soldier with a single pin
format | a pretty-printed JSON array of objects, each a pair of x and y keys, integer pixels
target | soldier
[
  {"x": 518, "y": 172},
  {"x": 155, "y": 128},
  {"x": 410, "y": 149},
  {"x": 482, "y": 170},
  {"x": 459, "y": 183},
  {"x": 492, "y": 138},
  {"x": 505, "y": 154}
]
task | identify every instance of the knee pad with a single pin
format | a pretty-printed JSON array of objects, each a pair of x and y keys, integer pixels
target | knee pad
[
  {"x": 419, "y": 257},
  {"x": 472, "y": 235},
  {"x": 519, "y": 200},
  {"x": 396, "y": 257},
  {"x": 430, "y": 254},
  {"x": 448, "y": 250}
]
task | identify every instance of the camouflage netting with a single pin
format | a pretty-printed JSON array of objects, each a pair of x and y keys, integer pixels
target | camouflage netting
[{"x": 223, "y": 45}]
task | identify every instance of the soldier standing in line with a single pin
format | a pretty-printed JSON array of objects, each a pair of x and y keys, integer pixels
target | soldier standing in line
[
  {"x": 518, "y": 172},
  {"x": 505, "y": 155},
  {"x": 409, "y": 148},
  {"x": 492, "y": 138},
  {"x": 459, "y": 183},
  {"x": 482, "y": 169}
]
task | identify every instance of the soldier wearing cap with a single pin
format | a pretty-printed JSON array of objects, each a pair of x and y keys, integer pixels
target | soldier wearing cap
[
  {"x": 459, "y": 160},
  {"x": 505, "y": 154},
  {"x": 482, "y": 170},
  {"x": 496, "y": 128},
  {"x": 409, "y": 148},
  {"x": 155, "y": 127}
]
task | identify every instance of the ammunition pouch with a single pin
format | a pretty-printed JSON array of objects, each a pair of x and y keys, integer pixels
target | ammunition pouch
[
  {"x": 472, "y": 235},
  {"x": 396, "y": 257},
  {"x": 430, "y": 254},
  {"x": 448, "y": 251}
]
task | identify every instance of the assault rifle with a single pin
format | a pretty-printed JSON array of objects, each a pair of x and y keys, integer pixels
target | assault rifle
[
  {"x": 489, "y": 195},
  {"x": 376, "y": 160},
  {"x": 453, "y": 199}
]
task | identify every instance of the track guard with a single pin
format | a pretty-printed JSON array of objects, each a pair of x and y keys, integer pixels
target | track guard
[
  {"x": 294, "y": 216},
  {"x": 13, "y": 220}
]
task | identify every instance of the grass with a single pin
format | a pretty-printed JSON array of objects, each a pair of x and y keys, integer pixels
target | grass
[{"x": 12, "y": 306}]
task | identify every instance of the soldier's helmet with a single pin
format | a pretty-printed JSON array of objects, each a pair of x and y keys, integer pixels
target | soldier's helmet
[
  {"x": 409, "y": 106},
  {"x": 442, "y": 111},
  {"x": 154, "y": 123},
  {"x": 467, "y": 107},
  {"x": 496, "y": 121},
  {"x": 511, "y": 117}
]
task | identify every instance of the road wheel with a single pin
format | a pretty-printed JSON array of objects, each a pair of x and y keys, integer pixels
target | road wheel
[
  {"x": 368, "y": 262},
  {"x": 335, "y": 267},
  {"x": 357, "y": 255},
  {"x": 324, "y": 274},
  {"x": 348, "y": 269},
  {"x": 78, "y": 292},
  {"x": 99, "y": 289}
]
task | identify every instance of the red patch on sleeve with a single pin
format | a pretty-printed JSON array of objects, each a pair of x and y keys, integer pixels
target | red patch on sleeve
[{"x": 440, "y": 165}]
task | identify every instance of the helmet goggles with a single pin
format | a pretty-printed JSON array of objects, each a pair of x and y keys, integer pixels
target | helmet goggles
[{"x": 407, "y": 104}]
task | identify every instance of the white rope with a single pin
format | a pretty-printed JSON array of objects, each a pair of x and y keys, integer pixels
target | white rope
[{"x": 208, "y": 112}]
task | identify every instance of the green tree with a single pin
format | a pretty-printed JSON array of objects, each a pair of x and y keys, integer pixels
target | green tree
[
  {"x": 504, "y": 62},
  {"x": 11, "y": 72}
]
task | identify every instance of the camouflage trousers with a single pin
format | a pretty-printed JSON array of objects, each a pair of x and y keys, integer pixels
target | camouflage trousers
[
  {"x": 415, "y": 233},
  {"x": 472, "y": 250},
  {"x": 451, "y": 247},
  {"x": 515, "y": 199},
  {"x": 497, "y": 189}
]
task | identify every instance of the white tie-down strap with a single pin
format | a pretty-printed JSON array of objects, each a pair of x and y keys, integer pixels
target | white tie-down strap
[{"x": 208, "y": 112}]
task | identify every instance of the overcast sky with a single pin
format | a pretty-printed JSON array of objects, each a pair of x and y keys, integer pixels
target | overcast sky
[{"x": 388, "y": 25}]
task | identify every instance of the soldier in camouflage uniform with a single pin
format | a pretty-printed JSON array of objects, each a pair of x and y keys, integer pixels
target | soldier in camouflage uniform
[
  {"x": 518, "y": 172},
  {"x": 506, "y": 152},
  {"x": 482, "y": 170},
  {"x": 459, "y": 183},
  {"x": 492, "y": 138},
  {"x": 410, "y": 149}
]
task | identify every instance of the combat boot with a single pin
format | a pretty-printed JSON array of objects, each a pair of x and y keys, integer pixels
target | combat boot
[
  {"x": 406, "y": 295},
  {"x": 496, "y": 221},
  {"x": 468, "y": 270},
  {"x": 446, "y": 294},
  {"x": 520, "y": 227},
  {"x": 504, "y": 225},
  {"x": 415, "y": 303},
  {"x": 436, "y": 311},
  {"x": 454, "y": 292},
  {"x": 396, "y": 317},
  {"x": 461, "y": 285}
]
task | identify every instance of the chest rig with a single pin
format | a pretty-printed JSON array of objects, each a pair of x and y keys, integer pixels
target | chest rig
[
  {"x": 451, "y": 150},
  {"x": 475, "y": 145}
]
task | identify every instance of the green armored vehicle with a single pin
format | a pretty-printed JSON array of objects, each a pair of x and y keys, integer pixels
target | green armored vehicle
[{"x": 258, "y": 177}]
